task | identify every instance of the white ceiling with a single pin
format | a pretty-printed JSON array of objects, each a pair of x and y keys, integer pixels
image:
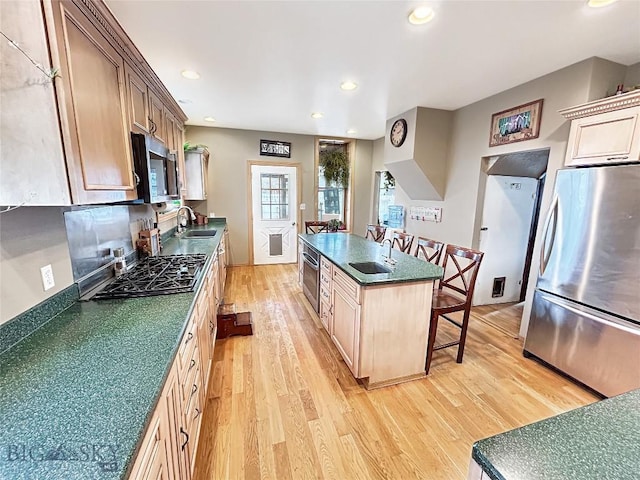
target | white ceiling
[{"x": 266, "y": 65}]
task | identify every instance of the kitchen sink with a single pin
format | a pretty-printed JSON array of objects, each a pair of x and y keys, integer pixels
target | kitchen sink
[
  {"x": 200, "y": 233},
  {"x": 370, "y": 267}
]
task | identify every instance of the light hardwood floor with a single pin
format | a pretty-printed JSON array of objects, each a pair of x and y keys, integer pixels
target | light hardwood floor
[
  {"x": 503, "y": 316},
  {"x": 283, "y": 405}
]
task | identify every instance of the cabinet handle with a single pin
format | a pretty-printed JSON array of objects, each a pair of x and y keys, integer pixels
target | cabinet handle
[
  {"x": 617, "y": 158},
  {"x": 189, "y": 338},
  {"x": 331, "y": 309},
  {"x": 137, "y": 177},
  {"x": 198, "y": 412},
  {"x": 194, "y": 389},
  {"x": 193, "y": 364},
  {"x": 186, "y": 441}
]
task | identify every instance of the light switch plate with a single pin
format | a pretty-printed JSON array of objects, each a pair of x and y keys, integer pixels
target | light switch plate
[{"x": 47, "y": 277}]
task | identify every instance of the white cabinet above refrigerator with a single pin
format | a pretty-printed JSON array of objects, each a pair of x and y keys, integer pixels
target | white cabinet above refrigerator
[{"x": 604, "y": 131}]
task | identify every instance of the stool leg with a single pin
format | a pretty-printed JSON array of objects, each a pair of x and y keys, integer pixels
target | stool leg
[
  {"x": 433, "y": 327},
  {"x": 463, "y": 335}
]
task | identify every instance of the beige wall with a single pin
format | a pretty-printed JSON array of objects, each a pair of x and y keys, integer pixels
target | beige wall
[
  {"x": 30, "y": 238},
  {"x": 231, "y": 150},
  {"x": 464, "y": 195}
]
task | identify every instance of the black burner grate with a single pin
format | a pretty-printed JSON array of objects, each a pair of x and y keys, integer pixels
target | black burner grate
[{"x": 157, "y": 276}]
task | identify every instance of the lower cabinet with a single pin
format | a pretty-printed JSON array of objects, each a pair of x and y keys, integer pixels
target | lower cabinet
[
  {"x": 475, "y": 471},
  {"x": 169, "y": 447},
  {"x": 346, "y": 327}
]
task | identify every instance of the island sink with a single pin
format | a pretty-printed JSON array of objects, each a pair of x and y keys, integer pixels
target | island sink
[
  {"x": 370, "y": 267},
  {"x": 200, "y": 233}
]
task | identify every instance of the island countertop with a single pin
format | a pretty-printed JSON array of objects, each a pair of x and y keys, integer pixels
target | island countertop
[
  {"x": 344, "y": 248},
  {"x": 77, "y": 394},
  {"x": 599, "y": 441}
]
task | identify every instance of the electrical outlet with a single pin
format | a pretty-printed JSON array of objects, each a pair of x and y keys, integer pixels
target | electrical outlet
[{"x": 47, "y": 277}]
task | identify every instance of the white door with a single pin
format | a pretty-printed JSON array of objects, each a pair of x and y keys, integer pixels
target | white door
[
  {"x": 274, "y": 207},
  {"x": 506, "y": 222}
]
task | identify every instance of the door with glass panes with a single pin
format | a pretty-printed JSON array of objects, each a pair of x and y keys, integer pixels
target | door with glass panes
[{"x": 274, "y": 212}]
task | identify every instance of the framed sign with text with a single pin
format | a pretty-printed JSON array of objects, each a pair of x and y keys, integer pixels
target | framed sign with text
[{"x": 272, "y": 148}]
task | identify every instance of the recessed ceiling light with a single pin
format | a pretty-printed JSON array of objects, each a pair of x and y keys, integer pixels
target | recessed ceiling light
[
  {"x": 348, "y": 85},
  {"x": 421, "y": 15},
  {"x": 209, "y": 119},
  {"x": 599, "y": 3},
  {"x": 351, "y": 131},
  {"x": 317, "y": 115},
  {"x": 190, "y": 74}
]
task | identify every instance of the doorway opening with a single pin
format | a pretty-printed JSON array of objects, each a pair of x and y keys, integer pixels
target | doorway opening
[{"x": 512, "y": 195}]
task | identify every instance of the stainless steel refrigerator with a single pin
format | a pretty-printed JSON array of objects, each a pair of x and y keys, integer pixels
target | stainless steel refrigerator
[{"x": 585, "y": 318}]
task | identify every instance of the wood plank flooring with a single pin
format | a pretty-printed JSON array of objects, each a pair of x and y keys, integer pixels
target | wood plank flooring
[
  {"x": 503, "y": 316},
  {"x": 283, "y": 405}
]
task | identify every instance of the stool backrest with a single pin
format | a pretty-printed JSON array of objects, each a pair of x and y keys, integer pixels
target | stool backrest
[
  {"x": 402, "y": 241},
  {"x": 429, "y": 250},
  {"x": 376, "y": 232},
  {"x": 316, "y": 227},
  {"x": 461, "y": 267}
]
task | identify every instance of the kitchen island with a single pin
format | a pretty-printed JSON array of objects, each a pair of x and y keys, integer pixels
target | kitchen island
[
  {"x": 78, "y": 394},
  {"x": 599, "y": 441},
  {"x": 378, "y": 322}
]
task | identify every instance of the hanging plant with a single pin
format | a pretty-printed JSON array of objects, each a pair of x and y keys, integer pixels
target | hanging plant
[
  {"x": 188, "y": 146},
  {"x": 389, "y": 181},
  {"x": 335, "y": 164}
]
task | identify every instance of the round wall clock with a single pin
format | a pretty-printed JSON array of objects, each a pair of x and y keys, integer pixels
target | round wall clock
[{"x": 398, "y": 132}]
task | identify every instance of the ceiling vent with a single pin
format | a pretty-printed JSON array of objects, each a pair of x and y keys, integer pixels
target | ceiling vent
[{"x": 419, "y": 163}]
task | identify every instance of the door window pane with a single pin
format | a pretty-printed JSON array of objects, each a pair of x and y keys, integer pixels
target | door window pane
[{"x": 274, "y": 196}]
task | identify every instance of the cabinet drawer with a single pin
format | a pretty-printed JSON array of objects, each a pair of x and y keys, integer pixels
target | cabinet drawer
[
  {"x": 325, "y": 265},
  {"x": 349, "y": 286},
  {"x": 190, "y": 385},
  {"x": 325, "y": 294},
  {"x": 325, "y": 279},
  {"x": 185, "y": 351}
]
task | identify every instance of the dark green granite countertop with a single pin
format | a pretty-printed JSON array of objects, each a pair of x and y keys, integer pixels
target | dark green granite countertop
[
  {"x": 344, "y": 248},
  {"x": 597, "y": 442},
  {"x": 77, "y": 394}
]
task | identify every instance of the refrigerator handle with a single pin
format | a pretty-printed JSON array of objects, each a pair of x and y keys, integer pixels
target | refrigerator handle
[{"x": 553, "y": 214}]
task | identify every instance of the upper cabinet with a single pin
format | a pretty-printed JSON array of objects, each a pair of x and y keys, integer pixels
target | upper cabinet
[
  {"x": 92, "y": 98},
  {"x": 604, "y": 131},
  {"x": 95, "y": 89}
]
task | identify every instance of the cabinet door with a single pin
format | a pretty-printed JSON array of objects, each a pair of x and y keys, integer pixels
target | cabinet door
[
  {"x": 179, "y": 134},
  {"x": 346, "y": 328},
  {"x": 152, "y": 462},
  {"x": 138, "y": 101},
  {"x": 325, "y": 312},
  {"x": 156, "y": 115},
  {"x": 92, "y": 97},
  {"x": 178, "y": 436},
  {"x": 610, "y": 137},
  {"x": 170, "y": 130}
]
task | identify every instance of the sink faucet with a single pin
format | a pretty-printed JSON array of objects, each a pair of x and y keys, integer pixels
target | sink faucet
[
  {"x": 192, "y": 216},
  {"x": 388, "y": 258}
]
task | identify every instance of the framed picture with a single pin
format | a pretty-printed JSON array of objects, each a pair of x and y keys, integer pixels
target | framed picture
[
  {"x": 273, "y": 148},
  {"x": 516, "y": 124}
]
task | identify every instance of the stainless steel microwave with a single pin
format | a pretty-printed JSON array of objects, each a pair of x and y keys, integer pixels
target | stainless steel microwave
[{"x": 156, "y": 169}]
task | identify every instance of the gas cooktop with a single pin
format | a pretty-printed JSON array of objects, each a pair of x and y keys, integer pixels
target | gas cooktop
[{"x": 156, "y": 276}]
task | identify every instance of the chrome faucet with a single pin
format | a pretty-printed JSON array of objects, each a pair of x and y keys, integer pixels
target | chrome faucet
[
  {"x": 180, "y": 228},
  {"x": 388, "y": 258}
]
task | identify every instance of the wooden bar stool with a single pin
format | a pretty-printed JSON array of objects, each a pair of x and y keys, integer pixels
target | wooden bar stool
[
  {"x": 429, "y": 250},
  {"x": 376, "y": 233},
  {"x": 402, "y": 241},
  {"x": 462, "y": 280},
  {"x": 316, "y": 227}
]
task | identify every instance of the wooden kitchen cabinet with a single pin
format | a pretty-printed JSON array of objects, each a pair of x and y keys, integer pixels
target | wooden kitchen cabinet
[
  {"x": 83, "y": 116},
  {"x": 138, "y": 101},
  {"x": 345, "y": 328},
  {"x": 196, "y": 173},
  {"x": 604, "y": 131},
  {"x": 157, "y": 118},
  {"x": 92, "y": 102}
]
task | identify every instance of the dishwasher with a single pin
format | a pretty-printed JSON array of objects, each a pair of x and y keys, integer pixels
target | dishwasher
[{"x": 311, "y": 276}]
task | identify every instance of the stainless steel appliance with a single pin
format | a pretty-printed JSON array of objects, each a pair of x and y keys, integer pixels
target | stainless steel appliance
[
  {"x": 156, "y": 169},
  {"x": 311, "y": 276},
  {"x": 156, "y": 276},
  {"x": 585, "y": 317}
]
